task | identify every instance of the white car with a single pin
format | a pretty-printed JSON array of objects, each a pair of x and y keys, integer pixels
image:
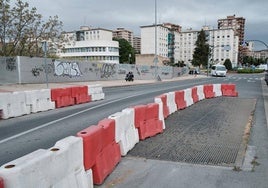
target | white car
[{"x": 218, "y": 70}]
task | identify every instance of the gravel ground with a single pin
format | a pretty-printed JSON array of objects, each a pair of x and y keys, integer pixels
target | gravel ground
[{"x": 208, "y": 132}]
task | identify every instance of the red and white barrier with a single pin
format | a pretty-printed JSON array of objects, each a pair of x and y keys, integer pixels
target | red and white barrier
[
  {"x": 229, "y": 90},
  {"x": 172, "y": 107},
  {"x": 96, "y": 92},
  {"x": 91, "y": 156},
  {"x": 195, "y": 95},
  {"x": 208, "y": 91},
  {"x": 217, "y": 90},
  {"x": 200, "y": 92},
  {"x": 188, "y": 97},
  {"x": 161, "y": 113},
  {"x": 13, "y": 104},
  {"x": 125, "y": 132},
  {"x": 179, "y": 99},
  {"x": 163, "y": 98},
  {"x": 59, "y": 166},
  {"x": 39, "y": 100}
]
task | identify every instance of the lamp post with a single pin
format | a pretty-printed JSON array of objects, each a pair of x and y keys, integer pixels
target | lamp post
[
  {"x": 155, "y": 42},
  {"x": 44, "y": 47}
]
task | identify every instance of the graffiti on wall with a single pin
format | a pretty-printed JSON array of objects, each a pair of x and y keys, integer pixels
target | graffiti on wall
[
  {"x": 36, "y": 71},
  {"x": 11, "y": 64},
  {"x": 108, "y": 70},
  {"x": 70, "y": 69}
]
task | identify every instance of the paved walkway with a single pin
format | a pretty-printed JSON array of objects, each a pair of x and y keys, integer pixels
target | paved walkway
[
  {"x": 143, "y": 173},
  {"x": 108, "y": 83}
]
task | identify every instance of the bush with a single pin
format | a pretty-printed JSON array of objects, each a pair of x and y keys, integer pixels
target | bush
[{"x": 249, "y": 71}]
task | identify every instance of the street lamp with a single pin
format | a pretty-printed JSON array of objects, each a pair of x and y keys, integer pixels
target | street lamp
[
  {"x": 44, "y": 47},
  {"x": 155, "y": 30}
]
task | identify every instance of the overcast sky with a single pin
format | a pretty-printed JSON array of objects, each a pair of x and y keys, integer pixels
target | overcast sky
[{"x": 131, "y": 14}]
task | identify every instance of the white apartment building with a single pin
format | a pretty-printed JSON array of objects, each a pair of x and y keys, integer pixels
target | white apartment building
[
  {"x": 224, "y": 44},
  {"x": 148, "y": 40},
  {"x": 90, "y": 44},
  {"x": 184, "y": 45}
]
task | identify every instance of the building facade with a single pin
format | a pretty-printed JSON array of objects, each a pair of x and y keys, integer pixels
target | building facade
[
  {"x": 179, "y": 46},
  {"x": 224, "y": 44},
  {"x": 94, "y": 45},
  {"x": 122, "y": 33},
  {"x": 151, "y": 43},
  {"x": 137, "y": 44}
]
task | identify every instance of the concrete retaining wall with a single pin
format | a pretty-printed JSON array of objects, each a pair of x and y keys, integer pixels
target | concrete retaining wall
[{"x": 33, "y": 70}]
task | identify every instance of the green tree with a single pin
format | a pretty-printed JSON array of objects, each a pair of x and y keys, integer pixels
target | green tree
[
  {"x": 22, "y": 30},
  {"x": 201, "y": 51},
  {"x": 228, "y": 64},
  {"x": 126, "y": 51}
]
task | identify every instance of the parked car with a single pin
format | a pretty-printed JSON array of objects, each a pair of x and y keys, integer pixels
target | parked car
[{"x": 218, "y": 70}]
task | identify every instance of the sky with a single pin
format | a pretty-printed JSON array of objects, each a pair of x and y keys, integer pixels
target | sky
[{"x": 131, "y": 14}]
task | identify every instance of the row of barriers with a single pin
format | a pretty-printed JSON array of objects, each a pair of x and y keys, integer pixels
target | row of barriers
[
  {"x": 16, "y": 104},
  {"x": 89, "y": 157}
]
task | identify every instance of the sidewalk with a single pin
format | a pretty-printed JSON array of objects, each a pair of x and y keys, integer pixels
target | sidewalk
[{"x": 108, "y": 83}]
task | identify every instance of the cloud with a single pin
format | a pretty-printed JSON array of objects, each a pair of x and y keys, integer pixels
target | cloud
[{"x": 129, "y": 14}]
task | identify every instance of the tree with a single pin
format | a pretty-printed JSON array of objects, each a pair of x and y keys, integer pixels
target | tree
[
  {"x": 228, "y": 64},
  {"x": 126, "y": 51},
  {"x": 22, "y": 30},
  {"x": 201, "y": 51}
]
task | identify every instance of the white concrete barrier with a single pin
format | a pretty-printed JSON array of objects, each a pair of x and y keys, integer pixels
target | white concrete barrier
[
  {"x": 39, "y": 100},
  {"x": 13, "y": 104},
  {"x": 171, "y": 102},
  {"x": 125, "y": 132},
  {"x": 217, "y": 90},
  {"x": 161, "y": 113},
  {"x": 200, "y": 92},
  {"x": 57, "y": 167},
  {"x": 188, "y": 97},
  {"x": 96, "y": 92}
]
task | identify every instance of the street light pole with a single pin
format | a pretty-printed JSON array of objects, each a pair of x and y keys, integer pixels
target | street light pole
[
  {"x": 44, "y": 45},
  {"x": 155, "y": 30}
]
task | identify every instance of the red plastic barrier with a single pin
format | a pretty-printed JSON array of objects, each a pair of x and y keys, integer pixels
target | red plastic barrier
[
  {"x": 194, "y": 94},
  {"x": 152, "y": 111},
  {"x": 151, "y": 125},
  {"x": 1, "y": 183},
  {"x": 179, "y": 99},
  {"x": 62, "y": 97},
  {"x": 208, "y": 90},
  {"x": 139, "y": 111},
  {"x": 165, "y": 106},
  {"x": 106, "y": 161},
  {"x": 92, "y": 144},
  {"x": 229, "y": 90},
  {"x": 80, "y": 94},
  {"x": 108, "y": 126}
]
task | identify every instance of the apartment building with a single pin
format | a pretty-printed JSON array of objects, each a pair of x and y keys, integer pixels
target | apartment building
[
  {"x": 122, "y": 33},
  {"x": 224, "y": 44},
  {"x": 185, "y": 45},
  {"x": 151, "y": 43},
  {"x": 95, "y": 45},
  {"x": 137, "y": 44},
  {"x": 235, "y": 23},
  {"x": 180, "y": 46}
]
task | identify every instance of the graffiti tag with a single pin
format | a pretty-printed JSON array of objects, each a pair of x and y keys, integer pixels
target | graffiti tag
[
  {"x": 11, "y": 64},
  {"x": 70, "y": 69},
  {"x": 108, "y": 70}
]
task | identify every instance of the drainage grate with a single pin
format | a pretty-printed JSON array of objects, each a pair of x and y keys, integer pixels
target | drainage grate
[{"x": 209, "y": 132}]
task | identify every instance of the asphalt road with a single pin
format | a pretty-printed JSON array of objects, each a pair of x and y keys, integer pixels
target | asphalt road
[{"x": 22, "y": 135}]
